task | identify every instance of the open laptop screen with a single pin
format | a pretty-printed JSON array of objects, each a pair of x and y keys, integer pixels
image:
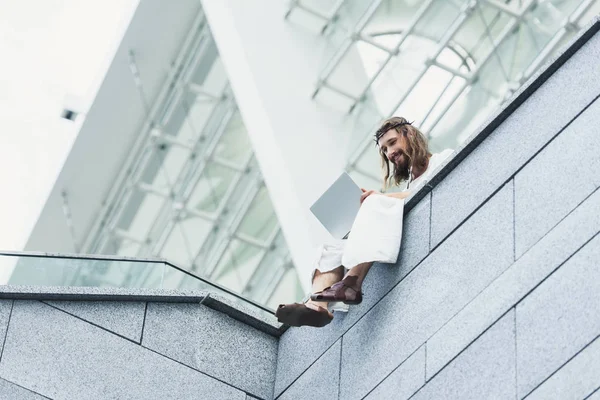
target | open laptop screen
[{"x": 337, "y": 208}]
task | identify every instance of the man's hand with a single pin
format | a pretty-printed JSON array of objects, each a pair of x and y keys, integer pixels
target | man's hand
[{"x": 367, "y": 193}]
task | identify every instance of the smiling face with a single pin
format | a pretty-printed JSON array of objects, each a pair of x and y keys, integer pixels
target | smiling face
[
  {"x": 402, "y": 147},
  {"x": 395, "y": 147}
]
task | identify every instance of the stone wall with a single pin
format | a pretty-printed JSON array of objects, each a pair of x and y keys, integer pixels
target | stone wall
[
  {"x": 496, "y": 294},
  {"x": 131, "y": 350}
]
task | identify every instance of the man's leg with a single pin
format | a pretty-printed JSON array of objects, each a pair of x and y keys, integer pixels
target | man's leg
[
  {"x": 360, "y": 271},
  {"x": 321, "y": 280},
  {"x": 347, "y": 290},
  {"x": 312, "y": 313}
]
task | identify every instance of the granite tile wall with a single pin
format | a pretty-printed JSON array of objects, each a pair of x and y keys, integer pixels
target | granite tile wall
[
  {"x": 118, "y": 350},
  {"x": 504, "y": 304}
]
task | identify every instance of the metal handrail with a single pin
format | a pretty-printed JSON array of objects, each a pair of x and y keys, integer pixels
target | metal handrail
[{"x": 100, "y": 257}]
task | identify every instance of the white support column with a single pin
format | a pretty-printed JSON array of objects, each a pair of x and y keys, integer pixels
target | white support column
[{"x": 301, "y": 146}]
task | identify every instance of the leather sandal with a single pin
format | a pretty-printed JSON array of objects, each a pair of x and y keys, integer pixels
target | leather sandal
[
  {"x": 344, "y": 291},
  {"x": 303, "y": 315}
]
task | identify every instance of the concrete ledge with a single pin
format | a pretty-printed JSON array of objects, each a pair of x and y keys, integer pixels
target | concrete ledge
[{"x": 261, "y": 319}]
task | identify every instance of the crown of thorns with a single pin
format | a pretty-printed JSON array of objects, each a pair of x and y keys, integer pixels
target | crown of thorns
[{"x": 381, "y": 131}]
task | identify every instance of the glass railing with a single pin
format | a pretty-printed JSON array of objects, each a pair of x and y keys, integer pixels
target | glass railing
[{"x": 33, "y": 269}]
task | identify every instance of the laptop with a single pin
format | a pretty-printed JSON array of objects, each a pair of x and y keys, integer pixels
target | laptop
[{"x": 337, "y": 208}]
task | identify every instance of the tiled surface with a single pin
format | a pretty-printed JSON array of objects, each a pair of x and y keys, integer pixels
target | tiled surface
[
  {"x": 595, "y": 395},
  {"x": 299, "y": 347},
  {"x": 557, "y": 179},
  {"x": 320, "y": 381},
  {"x": 485, "y": 370},
  {"x": 62, "y": 357},
  {"x": 5, "y": 307},
  {"x": 123, "y": 318},
  {"x": 404, "y": 381},
  {"x": 10, "y": 391},
  {"x": 558, "y": 318},
  {"x": 576, "y": 380},
  {"x": 527, "y": 130},
  {"x": 434, "y": 292},
  {"x": 208, "y": 341},
  {"x": 246, "y": 312},
  {"x": 535, "y": 265}
]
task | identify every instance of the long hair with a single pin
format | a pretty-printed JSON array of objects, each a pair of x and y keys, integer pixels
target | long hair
[{"x": 417, "y": 150}]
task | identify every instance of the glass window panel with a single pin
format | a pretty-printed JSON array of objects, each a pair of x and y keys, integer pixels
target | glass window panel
[
  {"x": 472, "y": 36},
  {"x": 177, "y": 247},
  {"x": 234, "y": 145},
  {"x": 186, "y": 240},
  {"x": 199, "y": 112},
  {"x": 260, "y": 220},
  {"x": 494, "y": 20},
  {"x": 437, "y": 20},
  {"x": 208, "y": 248},
  {"x": 369, "y": 163},
  {"x": 492, "y": 77},
  {"x": 288, "y": 290},
  {"x": 196, "y": 231},
  {"x": 211, "y": 187},
  {"x": 352, "y": 72},
  {"x": 472, "y": 107},
  {"x": 164, "y": 166},
  {"x": 400, "y": 73},
  {"x": 592, "y": 12},
  {"x": 216, "y": 80},
  {"x": 272, "y": 265},
  {"x": 127, "y": 248},
  {"x": 453, "y": 90},
  {"x": 237, "y": 265},
  {"x": 363, "y": 122},
  {"x": 329, "y": 99},
  {"x": 351, "y": 12},
  {"x": 144, "y": 213},
  {"x": 424, "y": 95}
]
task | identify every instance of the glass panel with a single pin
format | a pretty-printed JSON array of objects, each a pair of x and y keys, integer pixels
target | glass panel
[
  {"x": 211, "y": 187},
  {"x": 401, "y": 73},
  {"x": 46, "y": 271},
  {"x": 473, "y": 35},
  {"x": 437, "y": 20},
  {"x": 308, "y": 20},
  {"x": 352, "y": 76},
  {"x": 185, "y": 240},
  {"x": 141, "y": 211},
  {"x": 117, "y": 273},
  {"x": 260, "y": 220},
  {"x": 237, "y": 265},
  {"x": 476, "y": 103},
  {"x": 127, "y": 248},
  {"x": 288, "y": 290},
  {"x": 164, "y": 166},
  {"x": 234, "y": 145}
]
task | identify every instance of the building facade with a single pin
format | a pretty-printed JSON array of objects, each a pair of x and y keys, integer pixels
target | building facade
[{"x": 219, "y": 122}]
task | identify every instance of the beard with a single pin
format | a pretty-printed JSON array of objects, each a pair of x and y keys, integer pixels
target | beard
[{"x": 401, "y": 163}]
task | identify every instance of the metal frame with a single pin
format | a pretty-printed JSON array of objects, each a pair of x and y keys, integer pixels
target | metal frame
[
  {"x": 328, "y": 19},
  {"x": 467, "y": 8},
  {"x": 180, "y": 187}
]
